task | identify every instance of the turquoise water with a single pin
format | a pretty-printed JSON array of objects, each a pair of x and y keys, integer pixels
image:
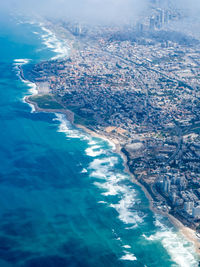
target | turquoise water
[{"x": 64, "y": 196}]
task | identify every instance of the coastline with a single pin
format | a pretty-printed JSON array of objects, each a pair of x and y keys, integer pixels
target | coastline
[
  {"x": 69, "y": 114},
  {"x": 186, "y": 231},
  {"x": 117, "y": 148}
]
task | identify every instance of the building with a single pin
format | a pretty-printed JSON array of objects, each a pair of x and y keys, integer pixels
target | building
[
  {"x": 173, "y": 198},
  {"x": 188, "y": 207},
  {"x": 152, "y": 24},
  {"x": 166, "y": 19},
  {"x": 161, "y": 17},
  {"x": 182, "y": 183},
  {"x": 196, "y": 212},
  {"x": 140, "y": 28},
  {"x": 166, "y": 185},
  {"x": 77, "y": 29}
]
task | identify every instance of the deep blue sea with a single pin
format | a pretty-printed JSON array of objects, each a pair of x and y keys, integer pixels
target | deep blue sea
[{"x": 65, "y": 199}]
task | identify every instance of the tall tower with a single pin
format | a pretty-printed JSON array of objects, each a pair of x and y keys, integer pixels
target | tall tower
[
  {"x": 152, "y": 24},
  {"x": 173, "y": 198},
  {"x": 166, "y": 185},
  {"x": 139, "y": 27},
  {"x": 78, "y": 29}
]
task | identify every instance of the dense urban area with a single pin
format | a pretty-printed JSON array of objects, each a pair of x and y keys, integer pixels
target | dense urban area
[{"x": 138, "y": 84}]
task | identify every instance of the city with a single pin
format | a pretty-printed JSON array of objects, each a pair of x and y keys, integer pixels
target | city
[{"x": 139, "y": 85}]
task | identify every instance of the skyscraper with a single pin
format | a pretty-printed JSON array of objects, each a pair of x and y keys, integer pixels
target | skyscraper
[
  {"x": 166, "y": 185},
  {"x": 152, "y": 24}
]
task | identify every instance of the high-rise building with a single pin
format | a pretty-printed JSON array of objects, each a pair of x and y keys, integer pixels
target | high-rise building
[
  {"x": 157, "y": 21},
  {"x": 174, "y": 179},
  {"x": 166, "y": 18},
  {"x": 152, "y": 24},
  {"x": 173, "y": 198},
  {"x": 181, "y": 182},
  {"x": 166, "y": 185},
  {"x": 196, "y": 212},
  {"x": 139, "y": 27},
  {"x": 188, "y": 207},
  {"x": 161, "y": 17},
  {"x": 77, "y": 29}
]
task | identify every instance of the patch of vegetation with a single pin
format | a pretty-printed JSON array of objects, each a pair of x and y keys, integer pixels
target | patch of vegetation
[
  {"x": 45, "y": 102},
  {"x": 80, "y": 118}
]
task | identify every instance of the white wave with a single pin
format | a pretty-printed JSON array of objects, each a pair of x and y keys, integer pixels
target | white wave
[
  {"x": 150, "y": 238},
  {"x": 32, "y": 91},
  {"x": 103, "y": 163},
  {"x": 111, "y": 184},
  {"x": 126, "y": 246},
  {"x": 50, "y": 40},
  {"x": 111, "y": 190},
  {"x": 102, "y": 202},
  {"x": 179, "y": 248},
  {"x": 32, "y": 86},
  {"x": 30, "y": 105},
  {"x": 91, "y": 142},
  {"x": 96, "y": 147},
  {"x": 21, "y": 61},
  {"x": 124, "y": 206},
  {"x": 112, "y": 145},
  {"x": 93, "y": 151},
  {"x": 60, "y": 47},
  {"x": 128, "y": 256},
  {"x": 132, "y": 227},
  {"x": 18, "y": 63},
  {"x": 84, "y": 170},
  {"x": 67, "y": 128},
  {"x": 102, "y": 169},
  {"x": 98, "y": 175}
]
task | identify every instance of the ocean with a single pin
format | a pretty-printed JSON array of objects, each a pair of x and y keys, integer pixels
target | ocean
[{"x": 65, "y": 199}]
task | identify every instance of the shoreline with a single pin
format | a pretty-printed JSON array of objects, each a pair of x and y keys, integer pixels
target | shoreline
[
  {"x": 117, "y": 148},
  {"x": 189, "y": 233},
  {"x": 186, "y": 231}
]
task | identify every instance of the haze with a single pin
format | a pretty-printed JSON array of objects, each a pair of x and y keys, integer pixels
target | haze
[{"x": 93, "y": 11}]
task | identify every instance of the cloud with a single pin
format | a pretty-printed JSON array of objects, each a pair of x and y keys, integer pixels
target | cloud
[
  {"x": 192, "y": 7},
  {"x": 95, "y": 11},
  {"x": 87, "y": 10}
]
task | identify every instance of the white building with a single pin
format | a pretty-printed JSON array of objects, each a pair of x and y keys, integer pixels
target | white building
[
  {"x": 166, "y": 185},
  {"x": 196, "y": 212},
  {"x": 188, "y": 207}
]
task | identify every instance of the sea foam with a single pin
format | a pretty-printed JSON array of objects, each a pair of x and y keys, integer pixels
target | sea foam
[
  {"x": 32, "y": 86},
  {"x": 68, "y": 129},
  {"x": 128, "y": 256},
  {"x": 50, "y": 40},
  {"x": 179, "y": 248},
  {"x": 102, "y": 168},
  {"x": 94, "y": 151},
  {"x": 112, "y": 183}
]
